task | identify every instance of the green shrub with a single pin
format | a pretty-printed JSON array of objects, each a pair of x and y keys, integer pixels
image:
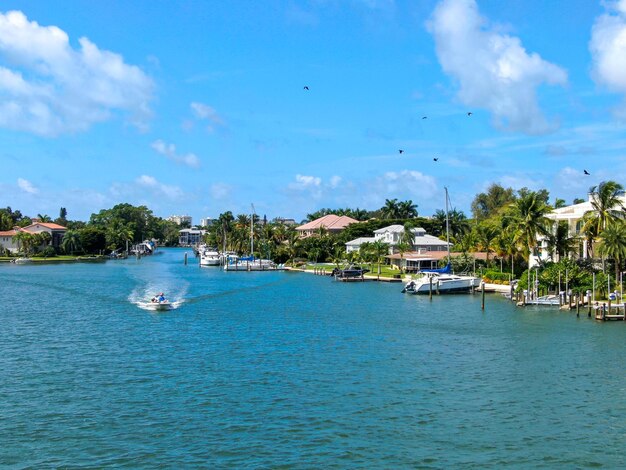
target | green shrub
[{"x": 497, "y": 276}]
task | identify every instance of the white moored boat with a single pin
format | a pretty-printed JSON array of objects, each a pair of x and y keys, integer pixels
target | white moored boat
[
  {"x": 442, "y": 281},
  {"x": 249, "y": 263},
  {"x": 210, "y": 257}
]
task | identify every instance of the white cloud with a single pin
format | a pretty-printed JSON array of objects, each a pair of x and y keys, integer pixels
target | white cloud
[
  {"x": 493, "y": 70},
  {"x": 53, "y": 89},
  {"x": 519, "y": 181},
  {"x": 169, "y": 150},
  {"x": 309, "y": 185},
  {"x": 608, "y": 50},
  {"x": 207, "y": 113},
  {"x": 26, "y": 186},
  {"x": 158, "y": 188},
  {"x": 571, "y": 179},
  {"x": 406, "y": 183},
  {"x": 220, "y": 191},
  {"x": 334, "y": 181}
]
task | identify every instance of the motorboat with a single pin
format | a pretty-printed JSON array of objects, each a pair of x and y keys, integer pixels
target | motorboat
[
  {"x": 210, "y": 257},
  {"x": 22, "y": 260},
  {"x": 249, "y": 263},
  {"x": 351, "y": 271},
  {"x": 159, "y": 306},
  {"x": 441, "y": 283},
  {"x": 159, "y": 302},
  {"x": 551, "y": 299}
]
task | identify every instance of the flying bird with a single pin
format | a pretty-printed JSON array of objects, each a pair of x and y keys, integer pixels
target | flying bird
[
  {"x": 469, "y": 113},
  {"x": 425, "y": 117},
  {"x": 306, "y": 87},
  {"x": 586, "y": 172},
  {"x": 401, "y": 151},
  {"x": 436, "y": 159}
]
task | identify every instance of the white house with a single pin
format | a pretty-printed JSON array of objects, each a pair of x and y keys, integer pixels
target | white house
[
  {"x": 422, "y": 242},
  {"x": 573, "y": 215},
  {"x": 190, "y": 236}
]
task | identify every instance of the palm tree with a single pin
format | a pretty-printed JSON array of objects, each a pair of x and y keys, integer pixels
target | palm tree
[
  {"x": 46, "y": 238},
  {"x": 391, "y": 209},
  {"x": 71, "y": 241},
  {"x": 407, "y": 210},
  {"x": 560, "y": 242},
  {"x": 293, "y": 242},
  {"x": 44, "y": 218},
  {"x": 408, "y": 236},
  {"x": 24, "y": 241},
  {"x": 606, "y": 206},
  {"x": 439, "y": 227},
  {"x": 613, "y": 243},
  {"x": 380, "y": 249},
  {"x": 606, "y": 202},
  {"x": 402, "y": 248},
  {"x": 505, "y": 246},
  {"x": 486, "y": 235},
  {"x": 527, "y": 218},
  {"x": 459, "y": 225}
]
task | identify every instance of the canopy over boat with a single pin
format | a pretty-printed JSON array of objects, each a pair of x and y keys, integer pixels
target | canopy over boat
[{"x": 447, "y": 269}]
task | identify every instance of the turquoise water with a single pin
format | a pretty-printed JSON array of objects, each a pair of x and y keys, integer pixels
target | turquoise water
[{"x": 265, "y": 370}]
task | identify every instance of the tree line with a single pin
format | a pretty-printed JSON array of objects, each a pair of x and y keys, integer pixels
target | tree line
[{"x": 506, "y": 224}]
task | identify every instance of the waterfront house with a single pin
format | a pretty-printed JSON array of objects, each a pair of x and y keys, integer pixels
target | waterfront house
[
  {"x": 392, "y": 235},
  {"x": 331, "y": 222},
  {"x": 56, "y": 231},
  {"x": 190, "y": 236},
  {"x": 573, "y": 215}
]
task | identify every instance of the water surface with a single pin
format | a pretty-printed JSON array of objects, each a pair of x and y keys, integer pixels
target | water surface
[{"x": 264, "y": 370}]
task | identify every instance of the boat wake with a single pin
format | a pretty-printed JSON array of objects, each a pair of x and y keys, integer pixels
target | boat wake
[{"x": 141, "y": 296}]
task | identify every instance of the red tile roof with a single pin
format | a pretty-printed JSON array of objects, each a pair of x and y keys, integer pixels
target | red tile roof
[
  {"x": 330, "y": 221},
  {"x": 8, "y": 233},
  {"x": 50, "y": 225}
]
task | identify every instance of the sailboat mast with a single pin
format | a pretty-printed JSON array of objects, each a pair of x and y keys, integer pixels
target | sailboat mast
[{"x": 447, "y": 226}]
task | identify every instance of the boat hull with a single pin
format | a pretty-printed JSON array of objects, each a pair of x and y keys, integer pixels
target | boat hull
[
  {"x": 456, "y": 285},
  {"x": 159, "y": 306}
]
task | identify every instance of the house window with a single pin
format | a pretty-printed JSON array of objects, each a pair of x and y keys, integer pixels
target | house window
[{"x": 579, "y": 226}]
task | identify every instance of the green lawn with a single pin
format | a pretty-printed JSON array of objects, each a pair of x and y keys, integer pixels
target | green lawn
[
  {"x": 385, "y": 270},
  {"x": 53, "y": 259}
]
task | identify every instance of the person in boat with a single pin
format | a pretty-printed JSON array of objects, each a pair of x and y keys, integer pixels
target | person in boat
[{"x": 161, "y": 297}]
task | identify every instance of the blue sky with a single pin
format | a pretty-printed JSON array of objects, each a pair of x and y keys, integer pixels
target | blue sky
[{"x": 194, "y": 107}]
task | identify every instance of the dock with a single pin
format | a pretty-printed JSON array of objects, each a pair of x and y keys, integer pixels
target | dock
[{"x": 608, "y": 312}]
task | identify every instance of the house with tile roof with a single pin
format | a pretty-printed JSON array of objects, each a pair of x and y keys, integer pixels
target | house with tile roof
[
  {"x": 331, "y": 222},
  {"x": 56, "y": 231}
]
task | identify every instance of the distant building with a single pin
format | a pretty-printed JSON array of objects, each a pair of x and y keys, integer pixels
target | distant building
[
  {"x": 190, "y": 236},
  {"x": 284, "y": 221},
  {"x": 180, "y": 219},
  {"x": 331, "y": 222},
  {"x": 207, "y": 222}
]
